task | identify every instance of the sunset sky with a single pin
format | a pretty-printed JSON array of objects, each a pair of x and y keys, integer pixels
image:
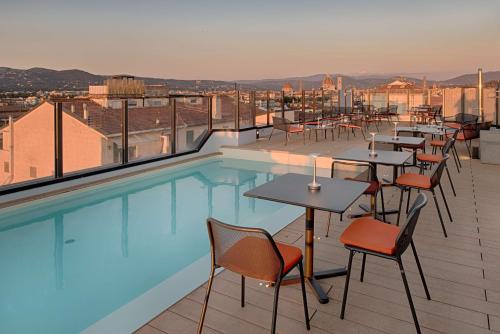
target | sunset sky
[{"x": 251, "y": 39}]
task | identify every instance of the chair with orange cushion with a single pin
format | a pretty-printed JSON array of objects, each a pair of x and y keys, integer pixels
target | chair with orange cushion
[
  {"x": 439, "y": 143},
  {"x": 431, "y": 159},
  {"x": 283, "y": 124},
  {"x": 351, "y": 123},
  {"x": 252, "y": 252},
  {"x": 374, "y": 237},
  {"x": 369, "y": 176},
  {"x": 424, "y": 182}
]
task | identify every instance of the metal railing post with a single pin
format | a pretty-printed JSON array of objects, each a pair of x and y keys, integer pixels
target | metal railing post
[
  {"x": 124, "y": 131},
  {"x": 314, "y": 100},
  {"x": 254, "y": 108},
  {"x": 282, "y": 104},
  {"x": 267, "y": 108},
  {"x": 210, "y": 121},
  {"x": 480, "y": 93},
  {"x": 322, "y": 102},
  {"x": 58, "y": 140},
  {"x": 237, "y": 111},
  {"x": 173, "y": 126},
  {"x": 497, "y": 105},
  {"x": 462, "y": 100},
  {"x": 387, "y": 96}
]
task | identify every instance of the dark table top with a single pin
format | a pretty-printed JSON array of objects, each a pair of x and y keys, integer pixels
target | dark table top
[
  {"x": 335, "y": 195},
  {"x": 399, "y": 141},
  {"x": 422, "y": 129},
  {"x": 388, "y": 158}
]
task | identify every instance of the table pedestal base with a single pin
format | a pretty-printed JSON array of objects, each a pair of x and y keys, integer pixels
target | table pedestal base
[{"x": 313, "y": 282}]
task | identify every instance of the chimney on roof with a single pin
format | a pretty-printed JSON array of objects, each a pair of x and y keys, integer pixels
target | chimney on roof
[
  {"x": 85, "y": 111},
  {"x": 72, "y": 108}
]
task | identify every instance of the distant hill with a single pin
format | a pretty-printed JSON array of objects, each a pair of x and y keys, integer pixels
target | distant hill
[
  {"x": 471, "y": 79},
  {"x": 35, "y": 79}
]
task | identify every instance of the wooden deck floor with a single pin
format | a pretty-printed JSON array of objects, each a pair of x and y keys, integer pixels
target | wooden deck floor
[{"x": 462, "y": 271}]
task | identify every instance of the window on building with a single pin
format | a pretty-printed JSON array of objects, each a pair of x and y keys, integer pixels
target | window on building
[
  {"x": 189, "y": 137},
  {"x": 6, "y": 167},
  {"x": 33, "y": 172}
]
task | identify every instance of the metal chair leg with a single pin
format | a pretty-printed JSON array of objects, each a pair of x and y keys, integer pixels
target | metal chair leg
[
  {"x": 408, "y": 294},
  {"x": 272, "y": 131},
  {"x": 329, "y": 222},
  {"x": 346, "y": 287},
  {"x": 445, "y": 202},
  {"x": 449, "y": 178},
  {"x": 242, "y": 291},
  {"x": 383, "y": 205},
  {"x": 408, "y": 200},
  {"x": 400, "y": 205},
  {"x": 439, "y": 213},
  {"x": 275, "y": 306},
  {"x": 304, "y": 297},
  {"x": 363, "y": 263},
  {"x": 205, "y": 304},
  {"x": 420, "y": 270}
]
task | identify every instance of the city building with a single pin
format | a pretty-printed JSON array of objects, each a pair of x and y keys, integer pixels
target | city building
[{"x": 141, "y": 95}]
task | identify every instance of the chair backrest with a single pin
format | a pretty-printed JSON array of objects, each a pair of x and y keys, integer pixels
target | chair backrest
[
  {"x": 281, "y": 123},
  {"x": 447, "y": 145},
  {"x": 438, "y": 171},
  {"x": 470, "y": 131},
  {"x": 367, "y": 175},
  {"x": 466, "y": 118},
  {"x": 393, "y": 109},
  {"x": 247, "y": 251},
  {"x": 406, "y": 233}
]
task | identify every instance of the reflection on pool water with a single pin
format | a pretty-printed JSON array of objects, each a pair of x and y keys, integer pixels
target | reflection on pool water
[{"x": 70, "y": 260}]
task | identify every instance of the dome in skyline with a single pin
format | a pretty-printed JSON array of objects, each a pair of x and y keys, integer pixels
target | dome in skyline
[
  {"x": 287, "y": 88},
  {"x": 328, "y": 83}
]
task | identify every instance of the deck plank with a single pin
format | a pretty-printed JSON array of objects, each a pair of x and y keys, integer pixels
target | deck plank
[{"x": 462, "y": 271}]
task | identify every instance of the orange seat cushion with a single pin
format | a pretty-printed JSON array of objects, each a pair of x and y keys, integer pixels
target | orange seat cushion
[
  {"x": 414, "y": 180},
  {"x": 291, "y": 255},
  {"x": 429, "y": 157},
  {"x": 372, "y": 189},
  {"x": 454, "y": 125},
  {"x": 253, "y": 257},
  {"x": 371, "y": 234},
  {"x": 295, "y": 129},
  {"x": 438, "y": 143}
]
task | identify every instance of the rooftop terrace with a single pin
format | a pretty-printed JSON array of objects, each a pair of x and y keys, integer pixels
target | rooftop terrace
[{"x": 462, "y": 271}]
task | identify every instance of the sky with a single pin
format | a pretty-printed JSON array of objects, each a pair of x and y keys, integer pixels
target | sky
[{"x": 233, "y": 40}]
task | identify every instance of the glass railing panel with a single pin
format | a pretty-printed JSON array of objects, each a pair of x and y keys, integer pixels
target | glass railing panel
[
  {"x": 246, "y": 108},
  {"x": 275, "y": 105},
  {"x": 489, "y": 104},
  {"x": 27, "y": 144},
  {"x": 192, "y": 122},
  {"x": 224, "y": 110},
  {"x": 91, "y": 134},
  {"x": 149, "y": 128},
  {"x": 261, "y": 108},
  {"x": 452, "y": 101}
]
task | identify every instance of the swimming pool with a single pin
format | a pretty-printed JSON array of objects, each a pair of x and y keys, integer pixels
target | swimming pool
[{"x": 110, "y": 257}]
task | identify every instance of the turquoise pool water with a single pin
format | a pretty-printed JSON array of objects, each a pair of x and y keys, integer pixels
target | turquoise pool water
[{"x": 69, "y": 261}]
